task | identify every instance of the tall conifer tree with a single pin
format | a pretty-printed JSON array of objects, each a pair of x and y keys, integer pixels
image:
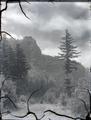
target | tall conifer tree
[{"x": 68, "y": 52}]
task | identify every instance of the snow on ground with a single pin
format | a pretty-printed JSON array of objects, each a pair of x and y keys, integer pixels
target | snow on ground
[{"x": 39, "y": 109}]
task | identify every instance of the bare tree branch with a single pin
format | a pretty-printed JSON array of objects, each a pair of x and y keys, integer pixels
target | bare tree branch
[
  {"x": 7, "y": 34},
  {"x": 34, "y": 92},
  {"x": 63, "y": 115},
  {"x": 6, "y": 6},
  {"x": 85, "y": 90},
  {"x": 42, "y": 117},
  {"x": 84, "y": 104},
  {"x": 6, "y": 112},
  {"x": 23, "y": 10},
  {"x": 19, "y": 116},
  {"x": 88, "y": 91},
  {"x": 7, "y": 97},
  {"x": 28, "y": 110},
  {"x": 29, "y": 113}
]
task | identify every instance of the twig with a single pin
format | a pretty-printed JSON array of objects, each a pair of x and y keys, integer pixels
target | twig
[
  {"x": 23, "y": 10},
  {"x": 63, "y": 115},
  {"x": 84, "y": 104},
  {"x": 28, "y": 110},
  {"x": 34, "y": 92},
  {"x": 6, "y": 112},
  {"x": 6, "y": 6},
  {"x": 85, "y": 90},
  {"x": 29, "y": 113},
  {"x": 7, "y": 97},
  {"x": 7, "y": 34}
]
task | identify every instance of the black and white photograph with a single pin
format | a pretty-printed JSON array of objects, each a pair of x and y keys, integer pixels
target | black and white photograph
[{"x": 45, "y": 60}]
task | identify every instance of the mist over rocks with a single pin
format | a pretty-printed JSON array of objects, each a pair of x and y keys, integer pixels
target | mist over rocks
[
  {"x": 46, "y": 70},
  {"x": 49, "y": 64}
]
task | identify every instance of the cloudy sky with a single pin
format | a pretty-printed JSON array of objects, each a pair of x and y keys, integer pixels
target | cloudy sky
[{"x": 48, "y": 23}]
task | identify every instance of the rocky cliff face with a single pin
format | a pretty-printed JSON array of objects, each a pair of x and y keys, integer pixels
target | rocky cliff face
[
  {"x": 43, "y": 65},
  {"x": 31, "y": 49},
  {"x": 46, "y": 68}
]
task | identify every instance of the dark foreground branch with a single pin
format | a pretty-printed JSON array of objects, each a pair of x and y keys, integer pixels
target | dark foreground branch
[
  {"x": 7, "y": 34},
  {"x": 7, "y": 97},
  {"x": 34, "y": 92},
  {"x": 61, "y": 115},
  {"x": 21, "y": 8},
  {"x": 6, "y": 6},
  {"x": 29, "y": 113},
  {"x": 28, "y": 110},
  {"x": 88, "y": 91},
  {"x": 84, "y": 104}
]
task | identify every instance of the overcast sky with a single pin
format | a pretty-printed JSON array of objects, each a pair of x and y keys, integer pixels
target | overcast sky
[{"x": 48, "y": 23}]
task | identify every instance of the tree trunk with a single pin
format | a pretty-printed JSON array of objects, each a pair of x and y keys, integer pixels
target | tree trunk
[
  {"x": 0, "y": 107},
  {"x": 90, "y": 103},
  {"x": 0, "y": 20},
  {"x": 0, "y": 65}
]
